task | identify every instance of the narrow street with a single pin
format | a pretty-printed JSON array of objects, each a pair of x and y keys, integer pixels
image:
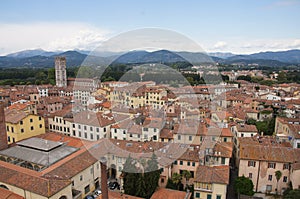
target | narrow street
[{"x": 230, "y": 188}]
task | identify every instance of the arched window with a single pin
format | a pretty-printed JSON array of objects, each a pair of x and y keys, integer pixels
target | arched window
[{"x": 63, "y": 197}]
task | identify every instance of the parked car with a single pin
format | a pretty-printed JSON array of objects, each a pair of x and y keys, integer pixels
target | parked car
[
  {"x": 114, "y": 185},
  {"x": 97, "y": 193}
]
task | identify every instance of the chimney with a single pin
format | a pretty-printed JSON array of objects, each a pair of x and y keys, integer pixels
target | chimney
[
  {"x": 104, "y": 187},
  {"x": 3, "y": 135}
]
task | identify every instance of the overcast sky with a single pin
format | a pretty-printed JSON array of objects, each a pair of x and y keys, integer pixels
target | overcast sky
[{"x": 244, "y": 26}]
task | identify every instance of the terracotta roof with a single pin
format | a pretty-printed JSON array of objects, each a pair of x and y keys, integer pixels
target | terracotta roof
[
  {"x": 6, "y": 194},
  {"x": 163, "y": 193},
  {"x": 72, "y": 167},
  {"x": 94, "y": 119},
  {"x": 266, "y": 150},
  {"x": 223, "y": 149},
  {"x": 70, "y": 141},
  {"x": 166, "y": 133},
  {"x": 14, "y": 116},
  {"x": 27, "y": 181},
  {"x": 190, "y": 155},
  {"x": 212, "y": 174},
  {"x": 246, "y": 128},
  {"x": 226, "y": 132}
]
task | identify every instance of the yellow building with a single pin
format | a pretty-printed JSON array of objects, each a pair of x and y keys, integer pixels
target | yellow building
[
  {"x": 21, "y": 125},
  {"x": 211, "y": 182}
]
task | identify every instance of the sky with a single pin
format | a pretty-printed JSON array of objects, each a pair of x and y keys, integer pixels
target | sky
[{"x": 240, "y": 27}]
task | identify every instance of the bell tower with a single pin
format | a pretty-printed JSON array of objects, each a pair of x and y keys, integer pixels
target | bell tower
[{"x": 60, "y": 72}]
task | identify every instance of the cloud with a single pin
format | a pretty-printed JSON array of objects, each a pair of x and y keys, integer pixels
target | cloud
[
  {"x": 50, "y": 36},
  {"x": 247, "y": 46},
  {"x": 220, "y": 45}
]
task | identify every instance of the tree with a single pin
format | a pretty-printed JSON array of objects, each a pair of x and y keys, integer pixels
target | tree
[
  {"x": 151, "y": 176},
  {"x": 130, "y": 176},
  {"x": 176, "y": 179},
  {"x": 187, "y": 175},
  {"x": 292, "y": 194},
  {"x": 243, "y": 185},
  {"x": 141, "y": 184},
  {"x": 278, "y": 175}
]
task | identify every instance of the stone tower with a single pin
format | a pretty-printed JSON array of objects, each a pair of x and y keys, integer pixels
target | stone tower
[
  {"x": 60, "y": 72},
  {"x": 3, "y": 135}
]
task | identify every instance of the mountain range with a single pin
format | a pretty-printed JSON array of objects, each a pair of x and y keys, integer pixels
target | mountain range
[{"x": 40, "y": 58}]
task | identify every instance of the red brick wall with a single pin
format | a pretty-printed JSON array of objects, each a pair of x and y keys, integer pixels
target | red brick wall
[{"x": 3, "y": 136}]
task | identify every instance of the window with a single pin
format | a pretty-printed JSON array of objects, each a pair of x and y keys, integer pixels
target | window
[
  {"x": 73, "y": 125},
  {"x": 21, "y": 122},
  {"x": 154, "y": 137},
  {"x": 130, "y": 135},
  {"x": 81, "y": 178},
  {"x": 179, "y": 137},
  {"x": 12, "y": 129},
  {"x": 119, "y": 160},
  {"x": 79, "y": 127},
  {"x": 197, "y": 195},
  {"x": 85, "y": 135},
  {"x": 92, "y": 136},
  {"x": 41, "y": 126},
  {"x": 270, "y": 177},
  {"x": 22, "y": 130},
  {"x": 286, "y": 166},
  {"x": 272, "y": 165},
  {"x": 154, "y": 129},
  {"x": 190, "y": 138},
  {"x": 124, "y": 132},
  {"x": 104, "y": 129},
  {"x": 193, "y": 164},
  {"x": 74, "y": 134},
  {"x": 250, "y": 175},
  {"x": 192, "y": 174},
  {"x": 84, "y": 127},
  {"x": 8, "y": 138},
  {"x": 40, "y": 118},
  {"x": 181, "y": 162},
  {"x": 251, "y": 163},
  {"x": 218, "y": 197},
  {"x": 189, "y": 163},
  {"x": 31, "y": 120},
  {"x": 208, "y": 196},
  {"x": 145, "y": 129},
  {"x": 97, "y": 130},
  {"x": 222, "y": 160},
  {"x": 91, "y": 128},
  {"x": 269, "y": 188},
  {"x": 284, "y": 178},
  {"x": 73, "y": 183},
  {"x": 98, "y": 137},
  {"x": 175, "y": 162},
  {"x": 225, "y": 140},
  {"x": 79, "y": 134},
  {"x": 31, "y": 128},
  {"x": 87, "y": 189},
  {"x": 162, "y": 180}
]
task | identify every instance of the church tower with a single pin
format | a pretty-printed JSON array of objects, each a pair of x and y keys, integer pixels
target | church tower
[{"x": 60, "y": 72}]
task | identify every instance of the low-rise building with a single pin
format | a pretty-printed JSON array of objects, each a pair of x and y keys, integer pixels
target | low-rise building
[
  {"x": 260, "y": 157},
  {"x": 21, "y": 125},
  {"x": 211, "y": 182}
]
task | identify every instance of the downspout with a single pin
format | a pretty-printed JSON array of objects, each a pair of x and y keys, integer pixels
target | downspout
[{"x": 257, "y": 176}]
